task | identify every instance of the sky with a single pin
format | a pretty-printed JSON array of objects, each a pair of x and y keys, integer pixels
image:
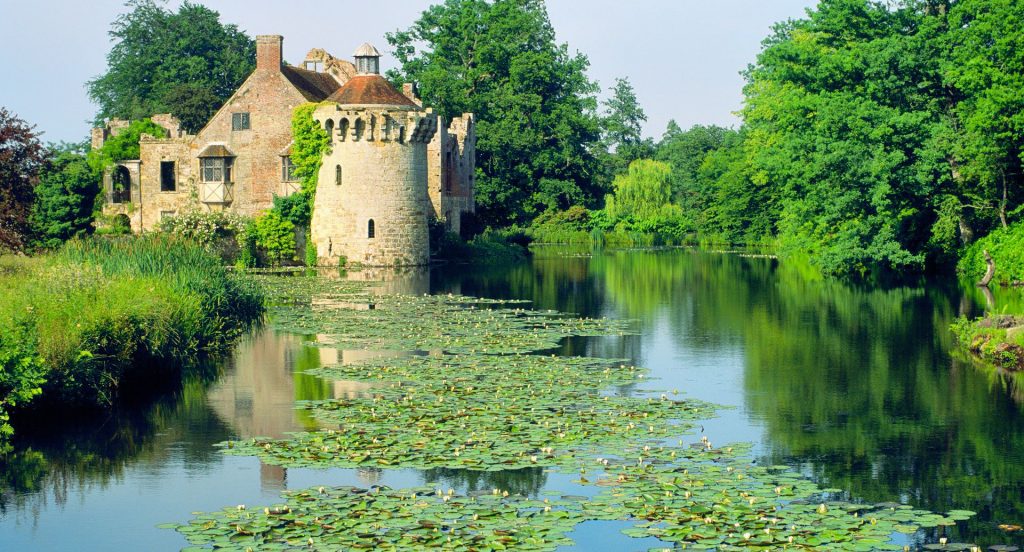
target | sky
[{"x": 683, "y": 57}]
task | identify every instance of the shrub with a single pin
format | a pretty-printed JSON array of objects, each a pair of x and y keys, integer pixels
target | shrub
[
  {"x": 275, "y": 236},
  {"x": 1006, "y": 245}
]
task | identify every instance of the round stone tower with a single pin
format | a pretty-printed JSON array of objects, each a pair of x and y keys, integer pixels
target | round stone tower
[{"x": 371, "y": 201}]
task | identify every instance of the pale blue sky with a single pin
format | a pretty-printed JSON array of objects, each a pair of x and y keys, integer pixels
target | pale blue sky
[{"x": 682, "y": 56}]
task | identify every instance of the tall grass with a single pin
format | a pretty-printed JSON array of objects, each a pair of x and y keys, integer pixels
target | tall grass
[{"x": 103, "y": 315}]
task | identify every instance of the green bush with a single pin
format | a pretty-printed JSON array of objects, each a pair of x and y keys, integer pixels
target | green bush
[
  {"x": 275, "y": 236},
  {"x": 1006, "y": 245}
]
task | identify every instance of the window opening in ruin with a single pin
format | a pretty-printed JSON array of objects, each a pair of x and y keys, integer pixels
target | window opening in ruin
[
  {"x": 360, "y": 126},
  {"x": 240, "y": 121},
  {"x": 167, "y": 177},
  {"x": 288, "y": 169},
  {"x": 370, "y": 231},
  {"x": 215, "y": 169},
  {"x": 337, "y": 175},
  {"x": 342, "y": 129},
  {"x": 122, "y": 185},
  {"x": 448, "y": 170}
]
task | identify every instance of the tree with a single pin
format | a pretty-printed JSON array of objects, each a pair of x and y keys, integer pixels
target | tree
[
  {"x": 186, "y": 63},
  {"x": 535, "y": 106},
  {"x": 686, "y": 151},
  {"x": 844, "y": 111},
  {"x": 622, "y": 127},
  {"x": 21, "y": 159},
  {"x": 642, "y": 192},
  {"x": 985, "y": 68},
  {"x": 65, "y": 196}
]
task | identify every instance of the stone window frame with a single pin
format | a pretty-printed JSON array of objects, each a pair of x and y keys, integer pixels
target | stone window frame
[
  {"x": 240, "y": 120},
  {"x": 288, "y": 169},
  {"x": 164, "y": 187},
  {"x": 219, "y": 169},
  {"x": 371, "y": 230},
  {"x": 121, "y": 191}
]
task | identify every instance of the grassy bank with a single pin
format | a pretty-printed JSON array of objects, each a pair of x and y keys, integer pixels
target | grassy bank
[{"x": 83, "y": 325}]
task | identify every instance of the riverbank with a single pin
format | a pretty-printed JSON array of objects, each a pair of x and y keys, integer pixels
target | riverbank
[{"x": 100, "y": 318}]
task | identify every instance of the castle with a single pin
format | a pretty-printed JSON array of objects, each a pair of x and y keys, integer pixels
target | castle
[{"x": 391, "y": 166}]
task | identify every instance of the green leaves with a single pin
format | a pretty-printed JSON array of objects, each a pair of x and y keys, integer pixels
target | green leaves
[
  {"x": 534, "y": 104},
  {"x": 162, "y": 61}
]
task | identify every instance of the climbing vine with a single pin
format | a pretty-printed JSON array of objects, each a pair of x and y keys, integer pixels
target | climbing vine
[{"x": 310, "y": 143}]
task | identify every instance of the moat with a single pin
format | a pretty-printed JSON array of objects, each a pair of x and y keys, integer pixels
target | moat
[{"x": 858, "y": 387}]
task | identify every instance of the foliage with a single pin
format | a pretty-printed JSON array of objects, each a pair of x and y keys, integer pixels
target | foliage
[
  {"x": 21, "y": 159},
  {"x": 621, "y": 128},
  {"x": 686, "y": 151},
  {"x": 124, "y": 145},
  {"x": 65, "y": 197},
  {"x": 276, "y": 236},
  {"x": 164, "y": 61},
  {"x": 309, "y": 145},
  {"x": 103, "y": 316},
  {"x": 1006, "y": 245},
  {"x": 984, "y": 68},
  {"x": 222, "y": 232},
  {"x": 533, "y": 102},
  {"x": 641, "y": 193},
  {"x": 21, "y": 374},
  {"x": 310, "y": 255},
  {"x": 193, "y": 104}
]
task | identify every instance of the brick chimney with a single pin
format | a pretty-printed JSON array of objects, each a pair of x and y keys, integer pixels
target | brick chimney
[{"x": 268, "y": 52}]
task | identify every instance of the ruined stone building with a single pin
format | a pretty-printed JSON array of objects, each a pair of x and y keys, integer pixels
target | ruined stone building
[{"x": 392, "y": 161}]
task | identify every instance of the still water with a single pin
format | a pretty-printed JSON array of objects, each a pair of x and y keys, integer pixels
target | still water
[{"x": 860, "y": 387}]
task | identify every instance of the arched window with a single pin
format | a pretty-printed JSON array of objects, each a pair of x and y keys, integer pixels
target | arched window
[
  {"x": 337, "y": 175},
  {"x": 121, "y": 182},
  {"x": 360, "y": 126},
  {"x": 329, "y": 127},
  {"x": 342, "y": 129},
  {"x": 370, "y": 231}
]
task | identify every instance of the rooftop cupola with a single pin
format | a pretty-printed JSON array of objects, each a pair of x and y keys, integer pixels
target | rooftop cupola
[{"x": 367, "y": 60}]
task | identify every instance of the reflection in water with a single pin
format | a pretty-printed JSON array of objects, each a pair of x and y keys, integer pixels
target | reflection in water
[{"x": 855, "y": 384}]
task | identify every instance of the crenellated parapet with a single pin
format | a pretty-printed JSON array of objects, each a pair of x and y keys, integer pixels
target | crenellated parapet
[{"x": 376, "y": 124}]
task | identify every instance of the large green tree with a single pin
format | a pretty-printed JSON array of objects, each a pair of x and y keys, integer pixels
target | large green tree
[
  {"x": 65, "y": 196},
  {"x": 844, "y": 113},
  {"x": 622, "y": 127},
  {"x": 984, "y": 70},
  {"x": 22, "y": 156},
  {"x": 185, "y": 62},
  {"x": 535, "y": 105}
]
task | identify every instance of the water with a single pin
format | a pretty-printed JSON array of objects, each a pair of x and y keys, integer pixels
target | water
[{"x": 855, "y": 385}]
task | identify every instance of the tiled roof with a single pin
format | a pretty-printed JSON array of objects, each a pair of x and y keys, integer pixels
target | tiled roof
[
  {"x": 369, "y": 90},
  {"x": 216, "y": 150},
  {"x": 313, "y": 86}
]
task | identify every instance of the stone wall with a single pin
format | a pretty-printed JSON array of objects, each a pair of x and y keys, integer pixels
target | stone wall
[
  {"x": 451, "y": 168},
  {"x": 382, "y": 153}
]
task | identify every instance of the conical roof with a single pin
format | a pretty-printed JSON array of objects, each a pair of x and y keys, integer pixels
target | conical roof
[
  {"x": 370, "y": 89},
  {"x": 366, "y": 50}
]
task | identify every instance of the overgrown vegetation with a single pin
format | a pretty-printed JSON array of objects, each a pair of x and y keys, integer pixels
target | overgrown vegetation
[
  {"x": 187, "y": 63},
  {"x": 102, "y": 316}
]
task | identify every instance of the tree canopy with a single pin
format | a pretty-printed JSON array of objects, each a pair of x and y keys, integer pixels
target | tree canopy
[
  {"x": 65, "y": 196},
  {"x": 187, "y": 63},
  {"x": 535, "y": 105},
  {"x": 22, "y": 156}
]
